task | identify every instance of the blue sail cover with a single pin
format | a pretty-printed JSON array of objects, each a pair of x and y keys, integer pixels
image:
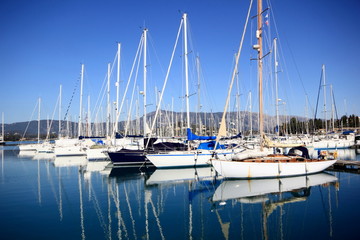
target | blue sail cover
[
  {"x": 192, "y": 136},
  {"x": 210, "y": 146}
]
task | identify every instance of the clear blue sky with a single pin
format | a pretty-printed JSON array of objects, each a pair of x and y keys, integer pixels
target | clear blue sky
[{"x": 43, "y": 43}]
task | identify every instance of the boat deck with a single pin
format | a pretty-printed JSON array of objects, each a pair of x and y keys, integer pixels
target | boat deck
[{"x": 280, "y": 158}]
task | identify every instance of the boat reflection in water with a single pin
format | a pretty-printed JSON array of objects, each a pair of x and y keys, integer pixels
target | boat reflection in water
[
  {"x": 239, "y": 189},
  {"x": 26, "y": 154},
  {"x": 81, "y": 200},
  {"x": 271, "y": 194},
  {"x": 180, "y": 175},
  {"x": 96, "y": 166}
]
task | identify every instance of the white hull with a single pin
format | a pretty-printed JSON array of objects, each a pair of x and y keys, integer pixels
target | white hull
[
  {"x": 66, "y": 142},
  {"x": 28, "y": 147},
  {"x": 129, "y": 143},
  {"x": 70, "y": 161},
  {"x": 242, "y": 169},
  {"x": 69, "y": 151},
  {"x": 333, "y": 144},
  {"x": 45, "y": 148},
  {"x": 176, "y": 159},
  {"x": 97, "y": 154}
]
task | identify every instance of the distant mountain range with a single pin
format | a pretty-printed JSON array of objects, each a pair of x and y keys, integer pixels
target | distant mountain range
[{"x": 211, "y": 120}]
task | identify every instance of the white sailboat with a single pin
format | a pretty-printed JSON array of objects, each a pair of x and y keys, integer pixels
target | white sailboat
[
  {"x": 334, "y": 140},
  {"x": 190, "y": 157},
  {"x": 98, "y": 152},
  {"x": 129, "y": 151},
  {"x": 297, "y": 162},
  {"x": 73, "y": 147}
]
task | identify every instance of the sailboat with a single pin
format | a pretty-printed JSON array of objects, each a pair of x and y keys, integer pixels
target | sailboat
[
  {"x": 74, "y": 147},
  {"x": 131, "y": 151},
  {"x": 335, "y": 140},
  {"x": 296, "y": 162},
  {"x": 192, "y": 156}
]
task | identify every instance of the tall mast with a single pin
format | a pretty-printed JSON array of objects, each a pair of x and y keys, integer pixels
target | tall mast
[
  {"x": 276, "y": 88},
  {"x": 117, "y": 86},
  {"x": 81, "y": 96},
  {"x": 39, "y": 120},
  {"x": 59, "y": 134},
  {"x": 324, "y": 82},
  {"x": 307, "y": 115},
  {"x": 332, "y": 108},
  {"x": 238, "y": 114},
  {"x": 260, "y": 55},
  {"x": 347, "y": 119},
  {"x": 108, "y": 103},
  {"x": 250, "y": 110},
  {"x": 145, "y": 73},
  {"x": 198, "y": 118},
  {"x": 186, "y": 72},
  {"x": 138, "y": 131},
  {"x": 89, "y": 119}
]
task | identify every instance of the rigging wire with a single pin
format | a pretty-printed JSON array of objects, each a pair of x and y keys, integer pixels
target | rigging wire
[
  {"x": 132, "y": 98},
  {"x": 71, "y": 99},
  {"x": 139, "y": 49},
  {"x": 52, "y": 119},
  {"x": 37, "y": 102},
  {"x": 103, "y": 90},
  {"x": 165, "y": 81},
  {"x": 317, "y": 101},
  {"x": 292, "y": 56},
  {"x": 337, "y": 117}
]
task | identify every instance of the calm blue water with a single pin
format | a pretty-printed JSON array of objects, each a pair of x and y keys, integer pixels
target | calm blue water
[{"x": 45, "y": 198}]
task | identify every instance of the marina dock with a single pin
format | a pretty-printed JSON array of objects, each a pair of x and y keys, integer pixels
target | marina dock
[{"x": 346, "y": 166}]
